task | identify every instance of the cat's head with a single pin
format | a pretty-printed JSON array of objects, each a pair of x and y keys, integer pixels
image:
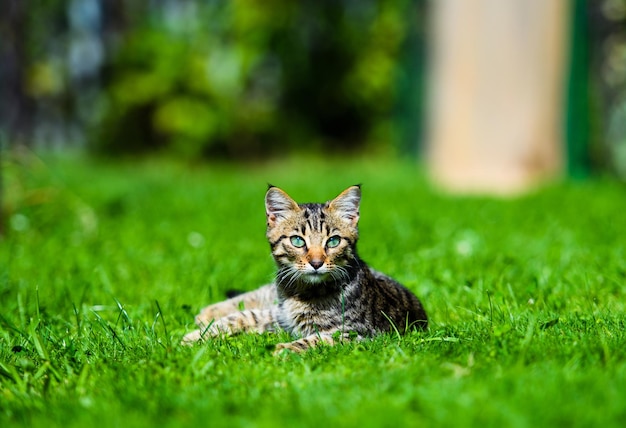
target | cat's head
[{"x": 312, "y": 243}]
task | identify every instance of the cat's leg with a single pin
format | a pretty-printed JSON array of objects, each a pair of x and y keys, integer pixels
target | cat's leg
[
  {"x": 264, "y": 297},
  {"x": 250, "y": 320},
  {"x": 308, "y": 342}
]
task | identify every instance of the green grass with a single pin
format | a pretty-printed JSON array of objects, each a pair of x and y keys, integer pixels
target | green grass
[{"x": 105, "y": 264}]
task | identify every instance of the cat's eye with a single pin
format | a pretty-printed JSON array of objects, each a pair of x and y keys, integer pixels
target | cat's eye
[
  {"x": 333, "y": 241},
  {"x": 297, "y": 241}
]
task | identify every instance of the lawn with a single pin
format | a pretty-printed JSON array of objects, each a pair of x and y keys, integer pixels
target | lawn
[{"x": 104, "y": 265}]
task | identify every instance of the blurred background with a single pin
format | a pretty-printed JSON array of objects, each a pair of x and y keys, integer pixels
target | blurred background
[{"x": 246, "y": 79}]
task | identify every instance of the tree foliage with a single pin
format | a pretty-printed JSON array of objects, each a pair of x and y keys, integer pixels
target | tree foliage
[{"x": 245, "y": 77}]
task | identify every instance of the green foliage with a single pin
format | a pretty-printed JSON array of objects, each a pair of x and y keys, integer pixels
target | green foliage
[
  {"x": 245, "y": 78},
  {"x": 105, "y": 265}
]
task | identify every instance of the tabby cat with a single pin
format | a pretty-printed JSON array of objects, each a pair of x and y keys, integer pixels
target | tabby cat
[{"x": 323, "y": 291}]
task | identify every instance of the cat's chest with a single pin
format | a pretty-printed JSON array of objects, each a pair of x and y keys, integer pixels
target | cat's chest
[{"x": 308, "y": 317}]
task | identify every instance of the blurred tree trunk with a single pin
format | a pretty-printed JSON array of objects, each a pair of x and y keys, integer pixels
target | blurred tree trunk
[
  {"x": 1, "y": 190},
  {"x": 14, "y": 117},
  {"x": 16, "y": 108},
  {"x": 497, "y": 81}
]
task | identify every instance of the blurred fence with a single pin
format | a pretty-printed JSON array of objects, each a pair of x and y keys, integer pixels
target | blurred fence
[
  {"x": 602, "y": 61},
  {"x": 252, "y": 78}
]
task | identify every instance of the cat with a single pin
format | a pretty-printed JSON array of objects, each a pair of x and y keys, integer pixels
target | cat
[{"x": 323, "y": 291}]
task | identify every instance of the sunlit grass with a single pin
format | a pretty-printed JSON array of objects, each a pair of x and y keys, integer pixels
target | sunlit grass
[{"x": 105, "y": 264}]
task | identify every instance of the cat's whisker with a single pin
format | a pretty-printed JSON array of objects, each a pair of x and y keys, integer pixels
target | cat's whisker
[
  {"x": 288, "y": 276},
  {"x": 339, "y": 273}
]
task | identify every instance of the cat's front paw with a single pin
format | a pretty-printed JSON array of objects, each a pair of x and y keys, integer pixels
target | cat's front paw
[
  {"x": 304, "y": 344},
  {"x": 192, "y": 337},
  {"x": 288, "y": 347}
]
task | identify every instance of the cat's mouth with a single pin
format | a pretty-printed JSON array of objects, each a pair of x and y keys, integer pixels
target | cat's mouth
[{"x": 315, "y": 277}]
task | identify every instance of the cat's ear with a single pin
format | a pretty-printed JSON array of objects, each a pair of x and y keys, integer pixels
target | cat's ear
[
  {"x": 278, "y": 205},
  {"x": 346, "y": 205}
]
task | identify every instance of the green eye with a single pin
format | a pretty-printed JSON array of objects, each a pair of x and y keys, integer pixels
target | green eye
[
  {"x": 333, "y": 241},
  {"x": 297, "y": 241}
]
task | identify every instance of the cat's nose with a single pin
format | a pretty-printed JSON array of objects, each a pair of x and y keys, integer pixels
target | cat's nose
[{"x": 316, "y": 264}]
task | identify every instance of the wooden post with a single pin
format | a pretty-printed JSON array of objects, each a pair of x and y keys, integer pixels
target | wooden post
[{"x": 496, "y": 102}]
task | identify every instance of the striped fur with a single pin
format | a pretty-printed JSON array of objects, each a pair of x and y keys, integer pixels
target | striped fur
[{"x": 323, "y": 291}]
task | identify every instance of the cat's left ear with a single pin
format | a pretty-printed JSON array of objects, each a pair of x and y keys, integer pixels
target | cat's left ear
[
  {"x": 278, "y": 205},
  {"x": 346, "y": 205}
]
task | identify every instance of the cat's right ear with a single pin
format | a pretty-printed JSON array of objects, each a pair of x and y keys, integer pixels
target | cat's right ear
[
  {"x": 278, "y": 205},
  {"x": 346, "y": 205}
]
